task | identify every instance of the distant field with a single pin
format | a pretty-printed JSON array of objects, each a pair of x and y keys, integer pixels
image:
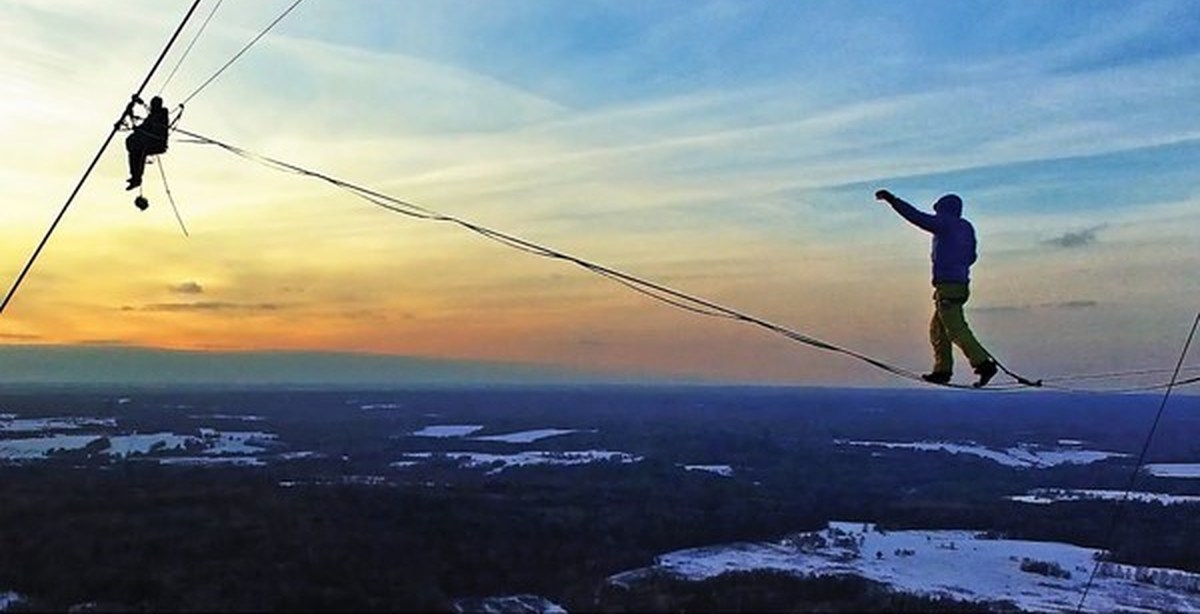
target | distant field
[{"x": 429, "y": 497}]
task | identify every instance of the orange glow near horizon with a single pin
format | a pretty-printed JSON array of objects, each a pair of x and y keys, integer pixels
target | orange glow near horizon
[{"x": 755, "y": 193}]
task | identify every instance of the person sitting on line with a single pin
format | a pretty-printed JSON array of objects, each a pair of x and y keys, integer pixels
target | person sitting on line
[{"x": 149, "y": 138}]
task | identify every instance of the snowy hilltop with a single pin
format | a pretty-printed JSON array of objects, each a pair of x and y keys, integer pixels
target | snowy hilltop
[{"x": 964, "y": 565}]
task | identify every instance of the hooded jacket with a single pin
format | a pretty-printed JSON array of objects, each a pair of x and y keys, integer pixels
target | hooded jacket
[
  {"x": 154, "y": 130},
  {"x": 953, "y": 237}
]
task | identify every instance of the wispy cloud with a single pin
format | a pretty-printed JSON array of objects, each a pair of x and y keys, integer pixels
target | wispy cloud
[
  {"x": 1078, "y": 304},
  {"x": 104, "y": 342},
  {"x": 1078, "y": 238},
  {"x": 187, "y": 287},
  {"x": 210, "y": 306},
  {"x": 19, "y": 337},
  {"x": 999, "y": 308},
  {"x": 1065, "y": 305}
]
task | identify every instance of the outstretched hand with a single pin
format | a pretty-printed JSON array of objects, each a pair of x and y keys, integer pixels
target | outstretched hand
[{"x": 884, "y": 195}]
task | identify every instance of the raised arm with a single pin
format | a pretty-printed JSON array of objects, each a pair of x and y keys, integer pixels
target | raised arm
[{"x": 914, "y": 216}]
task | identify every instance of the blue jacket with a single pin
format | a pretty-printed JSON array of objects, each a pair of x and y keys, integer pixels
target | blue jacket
[{"x": 953, "y": 237}]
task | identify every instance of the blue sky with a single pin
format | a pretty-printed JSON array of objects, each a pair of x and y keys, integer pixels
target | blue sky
[{"x": 727, "y": 148}]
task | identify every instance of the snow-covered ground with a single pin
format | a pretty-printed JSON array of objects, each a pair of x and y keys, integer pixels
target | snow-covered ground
[
  {"x": 341, "y": 480},
  {"x": 33, "y": 448},
  {"x": 237, "y": 417},
  {"x": 500, "y": 462},
  {"x": 1045, "y": 496},
  {"x": 450, "y": 431},
  {"x": 236, "y": 442},
  {"x": 301, "y": 455},
  {"x": 201, "y": 461},
  {"x": 721, "y": 470},
  {"x": 9, "y": 599},
  {"x": 210, "y": 443},
  {"x": 122, "y": 446},
  {"x": 947, "y": 563},
  {"x": 10, "y": 423},
  {"x": 512, "y": 604},
  {"x": 1022, "y": 455},
  {"x": 447, "y": 431},
  {"x": 1173, "y": 470},
  {"x": 378, "y": 406},
  {"x": 526, "y": 436}
]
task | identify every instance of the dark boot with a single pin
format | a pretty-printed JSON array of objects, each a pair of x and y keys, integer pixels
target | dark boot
[
  {"x": 986, "y": 372},
  {"x": 938, "y": 377}
]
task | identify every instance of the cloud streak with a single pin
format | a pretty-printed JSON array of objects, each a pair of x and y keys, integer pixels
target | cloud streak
[
  {"x": 19, "y": 337},
  {"x": 1068, "y": 305},
  {"x": 210, "y": 307},
  {"x": 1079, "y": 238},
  {"x": 187, "y": 287}
]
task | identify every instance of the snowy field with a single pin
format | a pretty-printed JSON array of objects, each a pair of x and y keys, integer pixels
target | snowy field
[
  {"x": 721, "y": 470},
  {"x": 526, "y": 436},
  {"x": 1045, "y": 496},
  {"x": 124, "y": 446},
  {"x": 236, "y": 417},
  {"x": 1023, "y": 456},
  {"x": 496, "y": 463},
  {"x": 10, "y": 423},
  {"x": 954, "y": 564},
  {"x": 379, "y": 406},
  {"x": 118, "y": 446},
  {"x": 341, "y": 480},
  {"x": 1174, "y": 470},
  {"x": 212, "y": 461},
  {"x": 451, "y": 431},
  {"x": 9, "y": 599},
  {"x": 34, "y": 448},
  {"x": 236, "y": 442},
  {"x": 529, "y": 604},
  {"x": 46, "y": 437},
  {"x": 499, "y": 462},
  {"x": 448, "y": 431}
]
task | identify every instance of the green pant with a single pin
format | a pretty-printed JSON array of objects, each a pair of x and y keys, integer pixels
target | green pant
[{"x": 949, "y": 325}]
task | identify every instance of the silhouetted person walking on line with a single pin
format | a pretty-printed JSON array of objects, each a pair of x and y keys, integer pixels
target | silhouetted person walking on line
[
  {"x": 149, "y": 138},
  {"x": 953, "y": 254}
]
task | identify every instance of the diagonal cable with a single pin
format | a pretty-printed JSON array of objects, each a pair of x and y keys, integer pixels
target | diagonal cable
[
  {"x": 1120, "y": 506},
  {"x": 12, "y": 291},
  {"x": 239, "y": 54},
  {"x": 188, "y": 49}
]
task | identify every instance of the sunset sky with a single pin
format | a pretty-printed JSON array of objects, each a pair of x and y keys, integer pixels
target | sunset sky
[{"x": 729, "y": 149}]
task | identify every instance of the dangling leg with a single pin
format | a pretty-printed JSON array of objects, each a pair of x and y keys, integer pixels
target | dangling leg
[
  {"x": 131, "y": 147},
  {"x": 137, "y": 166},
  {"x": 137, "y": 160}
]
